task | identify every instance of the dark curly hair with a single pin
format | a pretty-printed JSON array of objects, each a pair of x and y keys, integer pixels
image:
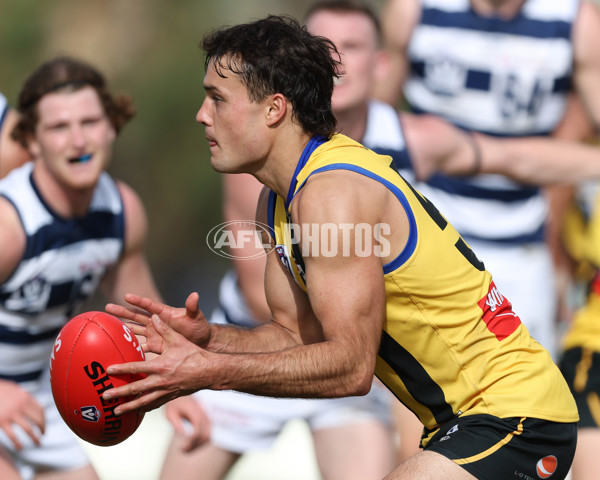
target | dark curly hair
[
  {"x": 60, "y": 74},
  {"x": 277, "y": 55}
]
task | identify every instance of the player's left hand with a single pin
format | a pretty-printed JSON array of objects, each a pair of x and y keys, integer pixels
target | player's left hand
[
  {"x": 177, "y": 371},
  {"x": 189, "y": 321}
]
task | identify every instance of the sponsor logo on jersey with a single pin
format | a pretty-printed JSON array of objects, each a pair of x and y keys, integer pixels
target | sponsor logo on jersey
[{"x": 498, "y": 314}]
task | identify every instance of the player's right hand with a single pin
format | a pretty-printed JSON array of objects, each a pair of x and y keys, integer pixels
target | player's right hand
[
  {"x": 19, "y": 408},
  {"x": 189, "y": 421}
]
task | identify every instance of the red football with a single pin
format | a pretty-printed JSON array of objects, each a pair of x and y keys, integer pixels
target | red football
[{"x": 83, "y": 350}]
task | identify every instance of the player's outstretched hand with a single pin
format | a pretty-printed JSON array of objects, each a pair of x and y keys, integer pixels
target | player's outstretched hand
[
  {"x": 177, "y": 371},
  {"x": 189, "y": 321},
  {"x": 19, "y": 408}
]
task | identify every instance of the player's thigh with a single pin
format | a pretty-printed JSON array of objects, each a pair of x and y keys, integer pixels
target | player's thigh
[
  {"x": 408, "y": 429},
  {"x": 83, "y": 473},
  {"x": 362, "y": 451},
  {"x": 8, "y": 470},
  {"x": 429, "y": 466},
  {"x": 207, "y": 462},
  {"x": 586, "y": 463}
]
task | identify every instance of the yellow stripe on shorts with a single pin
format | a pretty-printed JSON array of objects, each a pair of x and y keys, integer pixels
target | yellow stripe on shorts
[{"x": 492, "y": 449}]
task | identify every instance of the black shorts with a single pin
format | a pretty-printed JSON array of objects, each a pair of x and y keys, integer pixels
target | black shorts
[
  {"x": 581, "y": 369},
  {"x": 490, "y": 448}
]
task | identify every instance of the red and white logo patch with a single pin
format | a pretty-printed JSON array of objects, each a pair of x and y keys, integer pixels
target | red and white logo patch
[
  {"x": 546, "y": 466},
  {"x": 498, "y": 314}
]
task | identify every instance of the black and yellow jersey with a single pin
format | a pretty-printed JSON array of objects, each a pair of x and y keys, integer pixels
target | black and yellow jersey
[{"x": 451, "y": 344}]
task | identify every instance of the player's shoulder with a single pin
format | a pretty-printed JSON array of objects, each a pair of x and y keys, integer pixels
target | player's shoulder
[{"x": 12, "y": 238}]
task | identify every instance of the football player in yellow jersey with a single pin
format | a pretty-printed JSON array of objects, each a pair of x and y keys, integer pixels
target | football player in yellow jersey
[{"x": 363, "y": 276}]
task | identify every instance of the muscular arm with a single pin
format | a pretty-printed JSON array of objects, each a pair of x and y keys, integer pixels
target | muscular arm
[
  {"x": 12, "y": 239},
  {"x": 12, "y": 155},
  {"x": 398, "y": 20},
  {"x": 435, "y": 145},
  {"x": 586, "y": 74},
  {"x": 334, "y": 331}
]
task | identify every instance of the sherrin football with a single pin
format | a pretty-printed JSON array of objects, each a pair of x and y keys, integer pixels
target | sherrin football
[{"x": 84, "y": 348}]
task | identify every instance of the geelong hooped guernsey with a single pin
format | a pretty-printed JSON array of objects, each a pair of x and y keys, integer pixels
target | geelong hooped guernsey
[
  {"x": 233, "y": 308},
  {"x": 64, "y": 261},
  {"x": 384, "y": 135},
  {"x": 496, "y": 76},
  {"x": 3, "y": 109},
  {"x": 451, "y": 344}
]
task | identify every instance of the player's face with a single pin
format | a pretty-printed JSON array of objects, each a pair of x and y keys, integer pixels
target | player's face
[
  {"x": 73, "y": 138},
  {"x": 355, "y": 37},
  {"x": 234, "y": 125}
]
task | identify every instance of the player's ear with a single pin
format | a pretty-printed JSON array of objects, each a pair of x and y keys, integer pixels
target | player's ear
[
  {"x": 276, "y": 109},
  {"x": 34, "y": 147},
  {"x": 382, "y": 66}
]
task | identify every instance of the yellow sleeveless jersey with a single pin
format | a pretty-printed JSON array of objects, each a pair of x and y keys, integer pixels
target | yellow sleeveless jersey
[
  {"x": 451, "y": 344},
  {"x": 582, "y": 239}
]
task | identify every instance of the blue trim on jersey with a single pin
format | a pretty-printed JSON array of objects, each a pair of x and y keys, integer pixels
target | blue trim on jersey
[
  {"x": 271, "y": 214},
  {"x": 22, "y": 337},
  {"x": 400, "y": 158},
  {"x": 458, "y": 186},
  {"x": 520, "y": 25},
  {"x": 23, "y": 377},
  {"x": 311, "y": 146},
  {"x": 411, "y": 243},
  {"x": 537, "y": 236}
]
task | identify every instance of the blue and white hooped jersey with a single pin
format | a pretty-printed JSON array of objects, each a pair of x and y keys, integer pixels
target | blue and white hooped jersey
[
  {"x": 233, "y": 308},
  {"x": 499, "y": 77},
  {"x": 3, "y": 109},
  {"x": 63, "y": 264}
]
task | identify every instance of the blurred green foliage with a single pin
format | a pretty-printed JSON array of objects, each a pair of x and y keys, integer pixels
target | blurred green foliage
[{"x": 148, "y": 49}]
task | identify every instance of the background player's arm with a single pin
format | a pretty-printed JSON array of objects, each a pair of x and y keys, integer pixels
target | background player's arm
[
  {"x": 586, "y": 74},
  {"x": 12, "y": 154},
  {"x": 398, "y": 20},
  {"x": 17, "y": 406},
  {"x": 132, "y": 273},
  {"x": 435, "y": 145},
  {"x": 241, "y": 194}
]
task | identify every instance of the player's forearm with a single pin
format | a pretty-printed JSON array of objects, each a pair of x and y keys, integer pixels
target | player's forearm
[
  {"x": 269, "y": 337},
  {"x": 319, "y": 370},
  {"x": 540, "y": 160}
]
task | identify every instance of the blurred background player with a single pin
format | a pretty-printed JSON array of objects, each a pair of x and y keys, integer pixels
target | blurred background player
[
  {"x": 503, "y": 68},
  {"x": 12, "y": 154},
  {"x": 67, "y": 229}
]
